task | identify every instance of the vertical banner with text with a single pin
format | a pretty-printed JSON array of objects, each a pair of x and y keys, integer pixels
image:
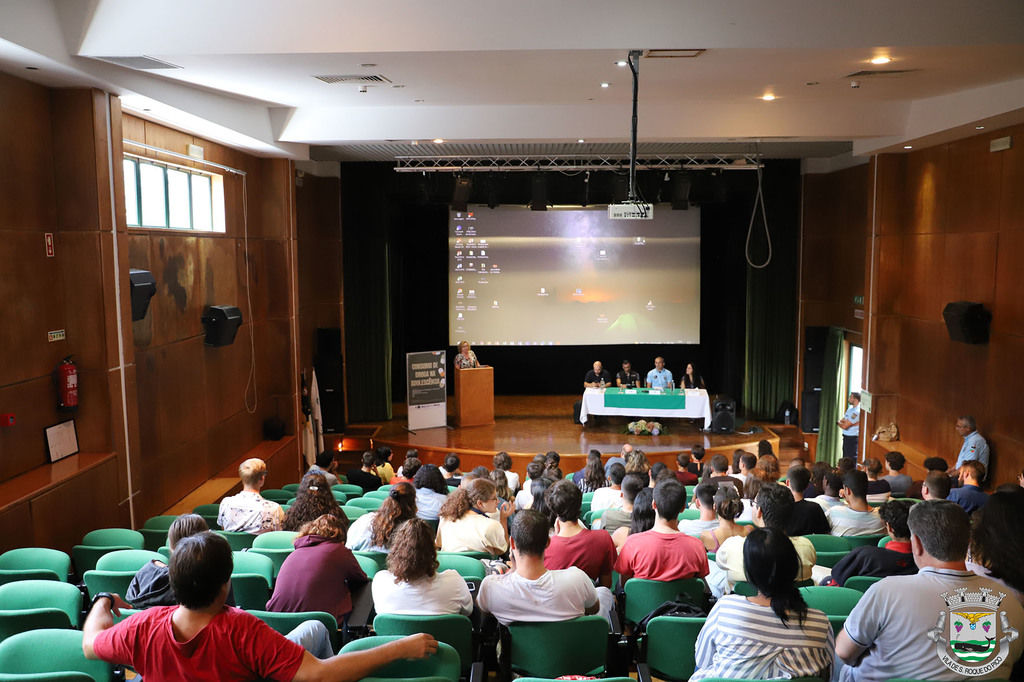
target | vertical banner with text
[{"x": 425, "y": 389}]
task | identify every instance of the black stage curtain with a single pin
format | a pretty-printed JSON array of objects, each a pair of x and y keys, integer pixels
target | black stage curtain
[{"x": 396, "y": 223}]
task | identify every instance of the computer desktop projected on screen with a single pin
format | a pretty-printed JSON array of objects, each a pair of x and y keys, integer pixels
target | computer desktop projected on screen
[{"x": 573, "y": 277}]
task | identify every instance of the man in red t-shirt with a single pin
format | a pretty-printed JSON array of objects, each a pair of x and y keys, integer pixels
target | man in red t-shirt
[
  {"x": 592, "y": 551},
  {"x": 202, "y": 639},
  {"x": 664, "y": 553}
]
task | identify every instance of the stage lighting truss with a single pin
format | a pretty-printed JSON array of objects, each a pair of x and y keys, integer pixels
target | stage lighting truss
[{"x": 571, "y": 163}]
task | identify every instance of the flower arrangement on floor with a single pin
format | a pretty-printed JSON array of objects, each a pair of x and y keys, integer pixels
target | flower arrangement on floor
[{"x": 645, "y": 428}]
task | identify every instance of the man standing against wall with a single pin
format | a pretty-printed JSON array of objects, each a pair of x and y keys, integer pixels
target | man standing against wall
[{"x": 850, "y": 424}]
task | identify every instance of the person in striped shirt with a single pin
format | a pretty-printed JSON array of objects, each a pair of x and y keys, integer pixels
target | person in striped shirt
[{"x": 771, "y": 635}]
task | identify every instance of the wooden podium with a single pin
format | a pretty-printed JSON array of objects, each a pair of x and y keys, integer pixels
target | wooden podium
[{"x": 474, "y": 396}]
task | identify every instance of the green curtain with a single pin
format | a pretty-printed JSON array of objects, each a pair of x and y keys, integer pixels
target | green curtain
[{"x": 832, "y": 403}]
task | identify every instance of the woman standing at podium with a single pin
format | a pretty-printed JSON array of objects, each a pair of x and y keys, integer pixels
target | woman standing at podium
[{"x": 465, "y": 358}]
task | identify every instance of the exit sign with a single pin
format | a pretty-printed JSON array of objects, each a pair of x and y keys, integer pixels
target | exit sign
[{"x": 858, "y": 300}]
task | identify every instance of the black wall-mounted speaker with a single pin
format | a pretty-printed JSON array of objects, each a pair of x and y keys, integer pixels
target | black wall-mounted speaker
[
  {"x": 723, "y": 415},
  {"x": 814, "y": 356},
  {"x": 142, "y": 287},
  {"x": 810, "y": 411},
  {"x": 221, "y": 323},
  {"x": 967, "y": 322}
]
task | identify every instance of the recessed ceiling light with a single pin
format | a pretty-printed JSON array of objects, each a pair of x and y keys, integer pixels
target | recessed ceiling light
[
  {"x": 908, "y": 146},
  {"x": 417, "y": 100},
  {"x": 438, "y": 140},
  {"x": 414, "y": 142},
  {"x": 768, "y": 97},
  {"x": 621, "y": 62},
  {"x": 979, "y": 127},
  {"x": 367, "y": 66},
  {"x": 580, "y": 141},
  {"x": 605, "y": 85},
  {"x": 878, "y": 61}
]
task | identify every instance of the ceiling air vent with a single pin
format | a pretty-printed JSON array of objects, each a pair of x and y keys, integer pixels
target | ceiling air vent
[
  {"x": 674, "y": 54},
  {"x": 140, "y": 62},
  {"x": 354, "y": 78},
  {"x": 869, "y": 73}
]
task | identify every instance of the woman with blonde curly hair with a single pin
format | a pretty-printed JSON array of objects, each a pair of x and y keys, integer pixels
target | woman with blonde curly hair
[
  {"x": 465, "y": 525},
  {"x": 320, "y": 574},
  {"x": 411, "y": 585},
  {"x": 312, "y": 500},
  {"x": 372, "y": 532}
]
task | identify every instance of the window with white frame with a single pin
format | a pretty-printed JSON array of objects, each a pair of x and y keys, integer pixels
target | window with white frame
[{"x": 176, "y": 197}]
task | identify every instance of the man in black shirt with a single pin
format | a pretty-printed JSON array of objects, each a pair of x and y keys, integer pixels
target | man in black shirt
[
  {"x": 808, "y": 517},
  {"x": 893, "y": 559},
  {"x": 627, "y": 378},
  {"x": 366, "y": 478},
  {"x": 597, "y": 377}
]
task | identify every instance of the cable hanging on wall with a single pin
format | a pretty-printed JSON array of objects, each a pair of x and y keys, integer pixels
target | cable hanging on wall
[{"x": 758, "y": 201}]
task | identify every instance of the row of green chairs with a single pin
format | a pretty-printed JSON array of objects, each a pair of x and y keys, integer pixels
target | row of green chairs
[
  {"x": 36, "y": 604},
  {"x": 34, "y": 563}
]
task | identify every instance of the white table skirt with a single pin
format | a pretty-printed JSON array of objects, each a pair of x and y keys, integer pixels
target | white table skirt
[{"x": 697, "y": 405}]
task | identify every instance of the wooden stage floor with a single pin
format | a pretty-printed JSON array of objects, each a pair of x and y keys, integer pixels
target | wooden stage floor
[{"x": 527, "y": 425}]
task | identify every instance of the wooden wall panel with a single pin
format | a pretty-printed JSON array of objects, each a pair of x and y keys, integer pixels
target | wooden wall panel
[
  {"x": 1011, "y": 198},
  {"x": 890, "y": 193},
  {"x": 59, "y": 515},
  {"x": 974, "y": 186},
  {"x": 177, "y": 307},
  {"x": 922, "y": 261},
  {"x": 16, "y": 527},
  {"x": 968, "y": 271},
  {"x": 1008, "y": 308},
  {"x": 926, "y": 190},
  {"x": 75, "y": 163},
  {"x": 26, "y": 145}
]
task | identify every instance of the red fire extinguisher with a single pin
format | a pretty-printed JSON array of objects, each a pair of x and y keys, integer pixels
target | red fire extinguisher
[{"x": 67, "y": 385}]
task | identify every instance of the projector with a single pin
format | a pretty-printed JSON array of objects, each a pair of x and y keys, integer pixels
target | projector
[{"x": 631, "y": 210}]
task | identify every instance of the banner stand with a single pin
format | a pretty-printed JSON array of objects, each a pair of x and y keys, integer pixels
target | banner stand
[{"x": 425, "y": 390}]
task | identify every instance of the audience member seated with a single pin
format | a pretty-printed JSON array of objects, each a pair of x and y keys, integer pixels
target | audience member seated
[
  {"x": 372, "y": 531},
  {"x": 151, "y": 586},
  {"x": 313, "y": 499},
  {"x": 610, "y": 497},
  {"x": 591, "y": 477},
  {"x": 997, "y": 543},
  {"x": 663, "y": 553},
  {"x": 807, "y": 518},
  {"x": 591, "y": 551},
  {"x": 969, "y": 495},
  {"x": 704, "y": 501},
  {"x": 202, "y": 639},
  {"x": 936, "y": 486},
  {"x": 532, "y": 593},
  {"x": 697, "y": 453},
  {"x": 930, "y": 464},
  {"x": 615, "y": 518},
  {"x": 659, "y": 472},
  {"x": 773, "y": 508},
  {"x": 892, "y": 631},
  {"x": 407, "y": 472},
  {"x": 323, "y": 465},
  {"x": 637, "y": 463},
  {"x": 503, "y": 461},
  {"x": 845, "y": 465},
  {"x": 898, "y": 481},
  {"x": 500, "y": 480},
  {"x": 747, "y": 464},
  {"x": 771, "y": 635},
  {"x": 719, "y": 466},
  {"x": 465, "y": 526},
  {"x": 764, "y": 447},
  {"x": 538, "y": 488},
  {"x": 767, "y": 468},
  {"x": 320, "y": 572},
  {"x": 248, "y": 511},
  {"x": 641, "y": 519},
  {"x": 870, "y": 560},
  {"x": 817, "y": 485},
  {"x": 857, "y": 517},
  {"x": 683, "y": 473},
  {"x": 382, "y": 463},
  {"x": 524, "y": 498},
  {"x": 450, "y": 469},
  {"x": 411, "y": 585},
  {"x": 431, "y": 492},
  {"x": 831, "y": 487},
  {"x": 366, "y": 477},
  {"x": 878, "y": 489},
  {"x": 728, "y": 506}
]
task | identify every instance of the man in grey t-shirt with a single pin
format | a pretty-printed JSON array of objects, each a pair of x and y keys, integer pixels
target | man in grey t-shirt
[{"x": 941, "y": 624}]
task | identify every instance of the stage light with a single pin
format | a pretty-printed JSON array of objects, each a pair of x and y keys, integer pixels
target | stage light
[{"x": 908, "y": 146}]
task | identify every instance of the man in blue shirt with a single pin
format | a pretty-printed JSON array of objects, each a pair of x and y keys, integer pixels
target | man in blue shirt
[
  {"x": 974, "y": 446},
  {"x": 970, "y": 496},
  {"x": 659, "y": 377},
  {"x": 850, "y": 424}
]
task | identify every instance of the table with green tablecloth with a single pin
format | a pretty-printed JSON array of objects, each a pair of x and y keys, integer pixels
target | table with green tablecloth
[{"x": 642, "y": 402}]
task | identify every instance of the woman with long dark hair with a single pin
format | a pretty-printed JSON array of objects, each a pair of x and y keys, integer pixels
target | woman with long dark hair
[
  {"x": 465, "y": 525},
  {"x": 641, "y": 520},
  {"x": 593, "y": 474},
  {"x": 372, "y": 532},
  {"x": 996, "y": 541},
  {"x": 772, "y": 634},
  {"x": 431, "y": 491},
  {"x": 691, "y": 378},
  {"x": 312, "y": 500},
  {"x": 411, "y": 585}
]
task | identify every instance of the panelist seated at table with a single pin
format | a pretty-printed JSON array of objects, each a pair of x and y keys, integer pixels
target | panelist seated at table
[
  {"x": 627, "y": 378},
  {"x": 466, "y": 358},
  {"x": 691, "y": 378},
  {"x": 659, "y": 377},
  {"x": 597, "y": 377}
]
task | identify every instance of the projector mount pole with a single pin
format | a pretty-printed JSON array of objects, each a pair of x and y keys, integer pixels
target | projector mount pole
[{"x": 634, "y": 66}]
